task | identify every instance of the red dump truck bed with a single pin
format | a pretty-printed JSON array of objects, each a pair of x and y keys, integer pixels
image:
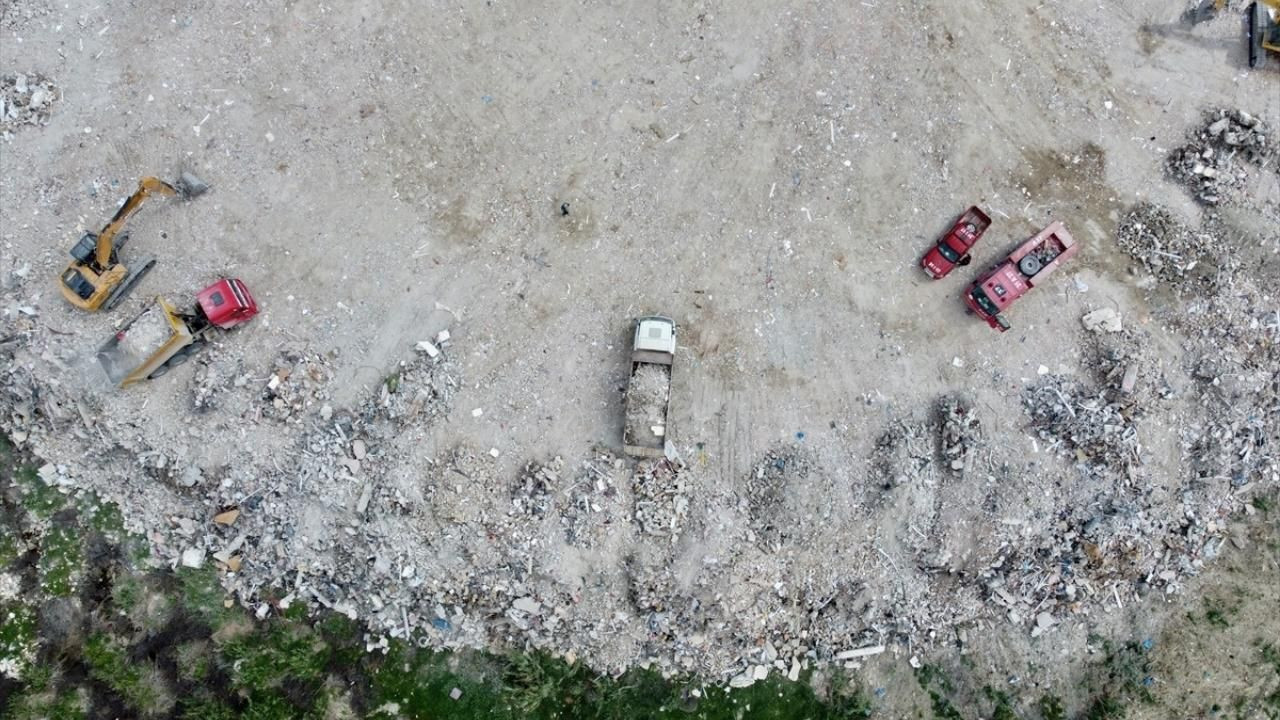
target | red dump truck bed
[{"x": 1026, "y": 267}]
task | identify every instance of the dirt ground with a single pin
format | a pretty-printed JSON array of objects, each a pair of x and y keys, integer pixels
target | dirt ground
[{"x": 532, "y": 177}]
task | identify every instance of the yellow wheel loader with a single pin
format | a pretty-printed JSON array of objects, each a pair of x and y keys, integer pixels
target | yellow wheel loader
[{"x": 96, "y": 279}]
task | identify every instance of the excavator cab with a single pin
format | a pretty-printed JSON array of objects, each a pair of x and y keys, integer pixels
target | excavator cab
[{"x": 77, "y": 283}]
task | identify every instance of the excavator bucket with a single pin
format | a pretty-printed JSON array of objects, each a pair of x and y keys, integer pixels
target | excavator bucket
[{"x": 191, "y": 186}]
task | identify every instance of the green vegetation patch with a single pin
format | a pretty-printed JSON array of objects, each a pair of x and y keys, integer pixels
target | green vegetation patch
[
  {"x": 61, "y": 560},
  {"x": 17, "y": 638},
  {"x": 38, "y": 498},
  {"x": 139, "y": 685}
]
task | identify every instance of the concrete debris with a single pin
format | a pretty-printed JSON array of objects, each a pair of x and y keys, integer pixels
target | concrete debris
[
  {"x": 767, "y": 489},
  {"x": 1085, "y": 422},
  {"x": 25, "y": 99},
  {"x": 297, "y": 383},
  {"x": 227, "y": 518},
  {"x": 1165, "y": 246},
  {"x": 661, "y": 501},
  {"x": 860, "y": 652},
  {"x": 959, "y": 433},
  {"x": 1102, "y": 320},
  {"x": 1219, "y": 155},
  {"x": 193, "y": 557}
]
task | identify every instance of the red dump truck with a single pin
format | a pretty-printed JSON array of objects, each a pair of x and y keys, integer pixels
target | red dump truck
[
  {"x": 161, "y": 338},
  {"x": 1026, "y": 267}
]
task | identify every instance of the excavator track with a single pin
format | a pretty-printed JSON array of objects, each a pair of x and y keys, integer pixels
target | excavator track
[{"x": 140, "y": 268}]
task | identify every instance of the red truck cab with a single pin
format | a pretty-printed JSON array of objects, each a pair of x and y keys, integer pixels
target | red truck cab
[
  {"x": 1029, "y": 265},
  {"x": 227, "y": 303},
  {"x": 953, "y": 248}
]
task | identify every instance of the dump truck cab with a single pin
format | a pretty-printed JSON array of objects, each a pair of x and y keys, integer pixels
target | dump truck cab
[
  {"x": 655, "y": 333},
  {"x": 226, "y": 303}
]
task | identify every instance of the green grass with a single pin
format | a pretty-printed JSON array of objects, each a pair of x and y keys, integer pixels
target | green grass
[
  {"x": 61, "y": 560},
  {"x": 1002, "y": 705},
  {"x": 938, "y": 686},
  {"x": 1052, "y": 708},
  {"x": 203, "y": 706},
  {"x": 41, "y": 700},
  {"x": 38, "y": 498},
  {"x": 108, "y": 663},
  {"x": 10, "y": 549},
  {"x": 18, "y": 635},
  {"x": 201, "y": 595}
]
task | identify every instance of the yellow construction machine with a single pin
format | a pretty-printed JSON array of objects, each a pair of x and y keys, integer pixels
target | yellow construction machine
[
  {"x": 96, "y": 279},
  {"x": 1264, "y": 30},
  {"x": 1262, "y": 17}
]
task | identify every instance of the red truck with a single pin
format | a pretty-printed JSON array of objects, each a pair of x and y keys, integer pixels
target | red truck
[
  {"x": 1026, "y": 267},
  {"x": 953, "y": 248}
]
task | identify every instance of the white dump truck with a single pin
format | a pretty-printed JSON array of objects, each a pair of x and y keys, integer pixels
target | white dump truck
[{"x": 644, "y": 433}]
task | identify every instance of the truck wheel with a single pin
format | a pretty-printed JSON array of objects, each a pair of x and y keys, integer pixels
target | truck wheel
[{"x": 1030, "y": 265}]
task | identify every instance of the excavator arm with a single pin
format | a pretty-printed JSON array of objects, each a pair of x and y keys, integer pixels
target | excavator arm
[{"x": 147, "y": 187}]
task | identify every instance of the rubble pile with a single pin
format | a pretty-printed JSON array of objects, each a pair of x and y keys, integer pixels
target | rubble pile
[
  {"x": 1214, "y": 162},
  {"x": 420, "y": 390},
  {"x": 213, "y": 376},
  {"x": 25, "y": 99},
  {"x": 959, "y": 433},
  {"x": 298, "y": 381},
  {"x": 766, "y": 495},
  {"x": 1233, "y": 356},
  {"x": 661, "y": 502},
  {"x": 1165, "y": 246},
  {"x": 531, "y": 494},
  {"x": 903, "y": 453},
  {"x": 594, "y": 507},
  {"x": 1085, "y": 423}
]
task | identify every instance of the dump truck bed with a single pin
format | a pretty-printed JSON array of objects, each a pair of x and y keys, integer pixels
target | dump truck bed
[
  {"x": 144, "y": 344},
  {"x": 648, "y": 395}
]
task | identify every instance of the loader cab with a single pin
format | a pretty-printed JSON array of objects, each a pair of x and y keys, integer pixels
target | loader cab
[{"x": 227, "y": 303}]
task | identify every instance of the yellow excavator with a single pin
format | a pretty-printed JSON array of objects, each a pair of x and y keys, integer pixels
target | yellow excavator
[
  {"x": 1264, "y": 30},
  {"x": 96, "y": 279},
  {"x": 1262, "y": 17}
]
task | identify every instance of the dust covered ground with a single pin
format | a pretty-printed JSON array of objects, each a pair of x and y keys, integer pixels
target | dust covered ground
[{"x": 862, "y": 467}]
